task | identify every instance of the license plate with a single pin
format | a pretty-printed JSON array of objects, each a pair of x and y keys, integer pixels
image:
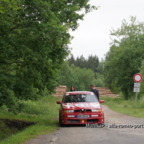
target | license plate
[{"x": 82, "y": 116}]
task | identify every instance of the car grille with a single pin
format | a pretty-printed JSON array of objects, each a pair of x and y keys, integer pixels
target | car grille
[
  {"x": 92, "y": 120},
  {"x": 73, "y": 121},
  {"x": 83, "y": 110}
]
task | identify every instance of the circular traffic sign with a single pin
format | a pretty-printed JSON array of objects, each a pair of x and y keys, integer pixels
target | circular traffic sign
[{"x": 137, "y": 77}]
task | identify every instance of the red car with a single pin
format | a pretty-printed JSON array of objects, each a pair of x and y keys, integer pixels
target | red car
[{"x": 80, "y": 107}]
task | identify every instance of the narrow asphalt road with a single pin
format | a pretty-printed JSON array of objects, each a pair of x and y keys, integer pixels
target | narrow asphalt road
[{"x": 114, "y": 132}]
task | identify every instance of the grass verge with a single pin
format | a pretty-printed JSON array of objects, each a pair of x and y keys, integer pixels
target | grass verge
[
  {"x": 44, "y": 112},
  {"x": 120, "y": 105}
]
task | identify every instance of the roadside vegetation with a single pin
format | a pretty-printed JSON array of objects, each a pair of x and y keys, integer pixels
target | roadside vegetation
[
  {"x": 44, "y": 113},
  {"x": 127, "y": 107},
  {"x": 125, "y": 58}
]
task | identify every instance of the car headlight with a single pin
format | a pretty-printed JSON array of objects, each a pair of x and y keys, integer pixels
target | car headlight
[
  {"x": 68, "y": 111},
  {"x": 96, "y": 110},
  {"x": 94, "y": 115},
  {"x": 70, "y": 116}
]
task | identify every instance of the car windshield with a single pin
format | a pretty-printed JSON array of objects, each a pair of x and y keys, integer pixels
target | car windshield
[{"x": 80, "y": 98}]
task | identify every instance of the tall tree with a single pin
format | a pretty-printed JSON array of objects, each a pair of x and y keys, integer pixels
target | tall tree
[
  {"x": 91, "y": 63},
  {"x": 142, "y": 73},
  {"x": 125, "y": 56},
  {"x": 33, "y": 43}
]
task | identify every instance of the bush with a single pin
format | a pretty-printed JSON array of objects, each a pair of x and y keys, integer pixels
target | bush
[{"x": 32, "y": 107}]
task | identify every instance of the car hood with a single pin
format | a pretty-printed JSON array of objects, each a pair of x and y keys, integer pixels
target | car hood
[{"x": 89, "y": 105}]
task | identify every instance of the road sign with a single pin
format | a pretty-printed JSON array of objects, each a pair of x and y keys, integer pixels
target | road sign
[
  {"x": 136, "y": 90},
  {"x": 137, "y": 77},
  {"x": 136, "y": 85}
]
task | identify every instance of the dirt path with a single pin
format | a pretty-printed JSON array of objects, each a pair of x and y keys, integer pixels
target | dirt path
[{"x": 106, "y": 135}]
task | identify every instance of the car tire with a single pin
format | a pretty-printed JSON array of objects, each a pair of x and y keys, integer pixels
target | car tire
[{"x": 60, "y": 123}]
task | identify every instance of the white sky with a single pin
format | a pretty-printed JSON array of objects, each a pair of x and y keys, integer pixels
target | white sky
[{"x": 93, "y": 34}]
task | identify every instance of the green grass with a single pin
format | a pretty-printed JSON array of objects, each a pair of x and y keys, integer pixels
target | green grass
[
  {"x": 44, "y": 112},
  {"x": 125, "y": 106}
]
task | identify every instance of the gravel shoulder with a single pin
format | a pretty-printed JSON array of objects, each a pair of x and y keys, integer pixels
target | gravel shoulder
[{"x": 114, "y": 119}]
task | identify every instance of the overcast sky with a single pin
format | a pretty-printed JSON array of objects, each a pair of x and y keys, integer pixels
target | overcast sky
[{"x": 93, "y": 35}]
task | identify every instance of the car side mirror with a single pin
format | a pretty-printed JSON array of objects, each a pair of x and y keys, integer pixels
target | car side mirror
[
  {"x": 102, "y": 101},
  {"x": 58, "y": 102}
]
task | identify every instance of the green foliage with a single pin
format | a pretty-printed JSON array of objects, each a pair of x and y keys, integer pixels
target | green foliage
[
  {"x": 8, "y": 5},
  {"x": 91, "y": 63},
  {"x": 121, "y": 105},
  {"x": 125, "y": 56},
  {"x": 85, "y": 65},
  {"x": 33, "y": 44},
  {"x": 99, "y": 80},
  {"x": 31, "y": 107},
  {"x": 142, "y": 83},
  {"x": 81, "y": 78}
]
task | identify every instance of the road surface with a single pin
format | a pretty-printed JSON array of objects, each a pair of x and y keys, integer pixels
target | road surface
[{"x": 114, "y": 132}]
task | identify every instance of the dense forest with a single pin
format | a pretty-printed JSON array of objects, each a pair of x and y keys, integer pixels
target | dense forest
[{"x": 81, "y": 72}]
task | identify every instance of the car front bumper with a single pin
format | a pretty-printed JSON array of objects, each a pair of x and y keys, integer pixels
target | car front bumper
[{"x": 97, "y": 119}]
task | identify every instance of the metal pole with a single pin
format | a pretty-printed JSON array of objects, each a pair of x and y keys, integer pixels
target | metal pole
[{"x": 135, "y": 102}]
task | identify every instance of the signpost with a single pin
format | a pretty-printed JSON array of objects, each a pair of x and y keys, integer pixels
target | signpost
[{"x": 137, "y": 78}]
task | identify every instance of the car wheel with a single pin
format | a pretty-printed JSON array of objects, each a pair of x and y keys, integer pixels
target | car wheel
[{"x": 60, "y": 122}]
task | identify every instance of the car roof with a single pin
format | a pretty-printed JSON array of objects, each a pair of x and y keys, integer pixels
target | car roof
[{"x": 78, "y": 92}]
